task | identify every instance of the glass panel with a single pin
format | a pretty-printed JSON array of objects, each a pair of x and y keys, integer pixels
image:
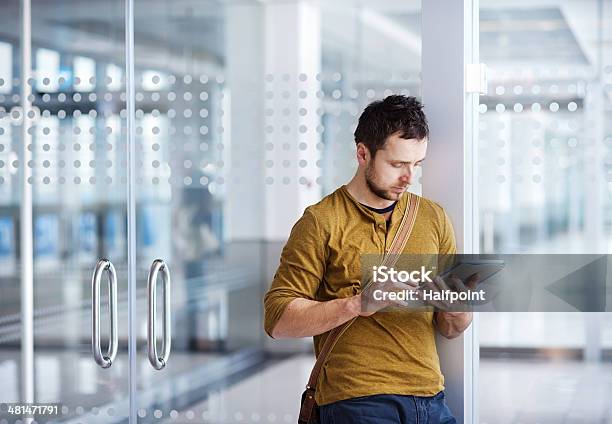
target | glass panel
[
  {"x": 10, "y": 151},
  {"x": 245, "y": 113},
  {"x": 369, "y": 50},
  {"x": 545, "y": 187},
  {"x": 183, "y": 165},
  {"x": 79, "y": 203}
]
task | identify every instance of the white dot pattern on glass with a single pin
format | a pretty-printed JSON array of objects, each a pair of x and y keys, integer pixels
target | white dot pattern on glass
[{"x": 187, "y": 96}]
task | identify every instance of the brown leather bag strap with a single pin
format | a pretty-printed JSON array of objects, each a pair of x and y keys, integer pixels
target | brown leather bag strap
[{"x": 396, "y": 248}]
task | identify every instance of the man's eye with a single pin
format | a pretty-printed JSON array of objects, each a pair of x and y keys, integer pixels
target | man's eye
[{"x": 397, "y": 165}]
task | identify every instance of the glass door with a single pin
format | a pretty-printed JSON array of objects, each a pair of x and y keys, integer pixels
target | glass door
[
  {"x": 188, "y": 266},
  {"x": 79, "y": 197},
  {"x": 10, "y": 141},
  {"x": 77, "y": 146},
  {"x": 545, "y": 188}
]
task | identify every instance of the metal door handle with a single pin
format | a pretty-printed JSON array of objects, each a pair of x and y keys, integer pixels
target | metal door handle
[
  {"x": 159, "y": 362},
  {"x": 105, "y": 361}
]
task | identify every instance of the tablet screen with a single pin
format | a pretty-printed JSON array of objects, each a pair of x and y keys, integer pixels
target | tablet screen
[{"x": 486, "y": 269}]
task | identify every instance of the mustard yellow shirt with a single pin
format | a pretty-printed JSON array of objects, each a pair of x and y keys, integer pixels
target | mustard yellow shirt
[{"x": 386, "y": 353}]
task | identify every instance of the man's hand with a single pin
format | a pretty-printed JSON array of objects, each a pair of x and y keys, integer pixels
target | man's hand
[
  {"x": 448, "y": 323},
  {"x": 452, "y": 324},
  {"x": 369, "y": 305},
  {"x": 452, "y": 283}
]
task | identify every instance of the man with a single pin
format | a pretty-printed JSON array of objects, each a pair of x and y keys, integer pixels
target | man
[{"x": 385, "y": 367}]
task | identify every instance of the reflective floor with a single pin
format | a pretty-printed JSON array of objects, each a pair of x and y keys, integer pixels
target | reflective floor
[
  {"x": 76, "y": 379},
  {"x": 545, "y": 392},
  {"x": 511, "y": 392},
  {"x": 270, "y": 396}
]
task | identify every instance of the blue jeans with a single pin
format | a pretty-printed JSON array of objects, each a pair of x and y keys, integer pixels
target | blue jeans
[{"x": 388, "y": 409}]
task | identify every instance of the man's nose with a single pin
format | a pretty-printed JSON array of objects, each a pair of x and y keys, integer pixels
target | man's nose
[{"x": 406, "y": 177}]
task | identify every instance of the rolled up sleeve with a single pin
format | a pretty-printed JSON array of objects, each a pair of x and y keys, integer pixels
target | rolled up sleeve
[{"x": 301, "y": 269}]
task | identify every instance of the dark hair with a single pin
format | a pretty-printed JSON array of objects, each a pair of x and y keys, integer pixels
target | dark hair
[{"x": 393, "y": 114}]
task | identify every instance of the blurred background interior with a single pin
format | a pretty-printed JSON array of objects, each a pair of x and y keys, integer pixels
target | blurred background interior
[{"x": 244, "y": 115}]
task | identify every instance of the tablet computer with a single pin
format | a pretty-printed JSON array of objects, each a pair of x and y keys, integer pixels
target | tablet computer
[{"x": 486, "y": 268}]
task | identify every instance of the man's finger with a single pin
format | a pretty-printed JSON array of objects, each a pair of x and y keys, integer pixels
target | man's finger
[
  {"x": 403, "y": 286},
  {"x": 459, "y": 286},
  {"x": 472, "y": 281},
  {"x": 441, "y": 283},
  {"x": 431, "y": 287},
  {"x": 402, "y": 303}
]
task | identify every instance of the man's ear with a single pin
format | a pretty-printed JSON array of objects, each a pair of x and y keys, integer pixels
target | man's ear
[{"x": 363, "y": 154}]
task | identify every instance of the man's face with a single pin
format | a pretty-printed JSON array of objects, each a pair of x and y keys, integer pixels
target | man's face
[{"x": 392, "y": 170}]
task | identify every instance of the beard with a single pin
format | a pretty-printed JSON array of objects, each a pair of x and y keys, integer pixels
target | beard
[{"x": 370, "y": 177}]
